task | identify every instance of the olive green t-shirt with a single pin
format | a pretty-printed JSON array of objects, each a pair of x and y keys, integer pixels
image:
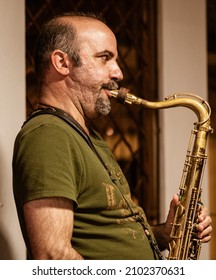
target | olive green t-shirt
[{"x": 52, "y": 160}]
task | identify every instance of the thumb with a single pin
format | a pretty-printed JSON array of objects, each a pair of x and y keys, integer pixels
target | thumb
[{"x": 173, "y": 204}]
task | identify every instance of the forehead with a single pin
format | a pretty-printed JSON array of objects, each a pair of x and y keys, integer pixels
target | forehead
[{"x": 95, "y": 35}]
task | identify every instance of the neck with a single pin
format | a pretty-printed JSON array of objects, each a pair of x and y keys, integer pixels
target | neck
[{"x": 65, "y": 104}]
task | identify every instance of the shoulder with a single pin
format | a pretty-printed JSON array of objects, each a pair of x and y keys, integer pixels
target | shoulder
[{"x": 46, "y": 127}]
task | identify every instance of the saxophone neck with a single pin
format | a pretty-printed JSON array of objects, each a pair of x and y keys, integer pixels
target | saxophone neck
[{"x": 194, "y": 102}]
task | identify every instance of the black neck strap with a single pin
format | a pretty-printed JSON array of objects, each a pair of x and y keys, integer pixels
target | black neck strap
[{"x": 72, "y": 122}]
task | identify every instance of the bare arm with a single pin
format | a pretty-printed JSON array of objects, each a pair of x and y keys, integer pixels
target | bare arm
[{"x": 49, "y": 225}]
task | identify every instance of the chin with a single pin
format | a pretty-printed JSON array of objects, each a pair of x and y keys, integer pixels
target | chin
[{"x": 104, "y": 112}]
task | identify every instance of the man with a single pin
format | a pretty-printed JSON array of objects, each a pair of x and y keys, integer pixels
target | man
[{"x": 72, "y": 199}]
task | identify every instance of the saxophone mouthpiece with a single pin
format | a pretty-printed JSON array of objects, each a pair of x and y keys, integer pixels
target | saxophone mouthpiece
[
  {"x": 123, "y": 96},
  {"x": 120, "y": 95}
]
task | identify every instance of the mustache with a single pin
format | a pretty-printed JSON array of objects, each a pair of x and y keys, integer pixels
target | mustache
[{"x": 112, "y": 85}]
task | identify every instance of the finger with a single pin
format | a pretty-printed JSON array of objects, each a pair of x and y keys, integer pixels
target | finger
[
  {"x": 171, "y": 214},
  {"x": 204, "y": 223},
  {"x": 203, "y": 214},
  {"x": 205, "y": 239},
  {"x": 174, "y": 202},
  {"x": 205, "y": 234}
]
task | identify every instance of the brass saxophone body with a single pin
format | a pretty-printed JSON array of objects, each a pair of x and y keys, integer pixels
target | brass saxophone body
[{"x": 184, "y": 244}]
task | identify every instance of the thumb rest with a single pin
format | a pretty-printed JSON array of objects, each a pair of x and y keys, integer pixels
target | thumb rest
[{"x": 184, "y": 243}]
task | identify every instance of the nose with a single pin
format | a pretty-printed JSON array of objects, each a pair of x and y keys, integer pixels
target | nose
[{"x": 115, "y": 72}]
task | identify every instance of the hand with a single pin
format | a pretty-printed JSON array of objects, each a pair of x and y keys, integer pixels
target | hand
[
  {"x": 162, "y": 231},
  {"x": 204, "y": 227}
]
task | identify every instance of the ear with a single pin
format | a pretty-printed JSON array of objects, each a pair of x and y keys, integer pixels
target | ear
[{"x": 60, "y": 61}]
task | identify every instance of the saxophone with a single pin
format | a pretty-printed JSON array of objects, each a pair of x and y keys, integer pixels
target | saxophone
[{"x": 184, "y": 244}]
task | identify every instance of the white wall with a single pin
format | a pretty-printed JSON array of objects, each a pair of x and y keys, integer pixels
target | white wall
[
  {"x": 12, "y": 114},
  {"x": 182, "y": 68}
]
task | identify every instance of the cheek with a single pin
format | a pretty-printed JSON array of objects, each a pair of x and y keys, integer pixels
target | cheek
[
  {"x": 89, "y": 75},
  {"x": 94, "y": 70}
]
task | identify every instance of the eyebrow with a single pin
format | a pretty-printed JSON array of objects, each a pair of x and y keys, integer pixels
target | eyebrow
[{"x": 106, "y": 52}]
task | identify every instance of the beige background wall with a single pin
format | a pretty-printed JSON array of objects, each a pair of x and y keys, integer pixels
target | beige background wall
[
  {"x": 12, "y": 114},
  {"x": 182, "y": 68}
]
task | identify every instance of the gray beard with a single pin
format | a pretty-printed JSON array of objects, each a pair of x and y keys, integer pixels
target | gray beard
[{"x": 103, "y": 106}]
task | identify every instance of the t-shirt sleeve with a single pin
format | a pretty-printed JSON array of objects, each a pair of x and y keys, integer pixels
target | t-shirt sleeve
[{"x": 47, "y": 164}]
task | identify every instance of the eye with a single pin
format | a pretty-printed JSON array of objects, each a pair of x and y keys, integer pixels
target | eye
[{"x": 105, "y": 57}]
